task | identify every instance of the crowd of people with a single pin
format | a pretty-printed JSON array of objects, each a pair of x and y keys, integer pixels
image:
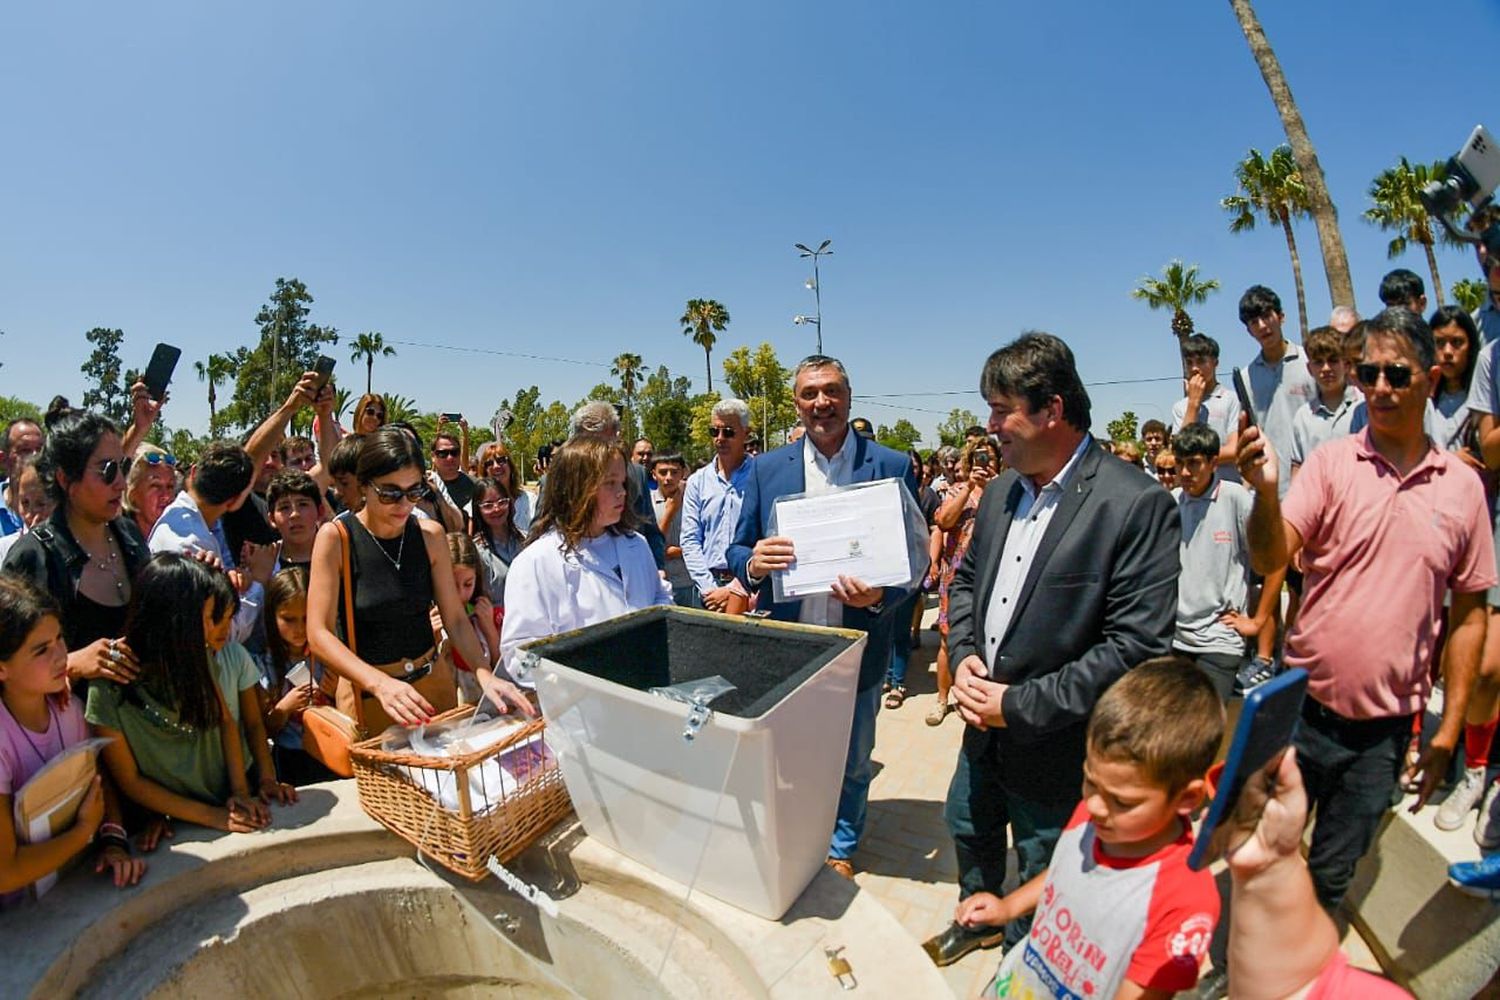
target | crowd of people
[{"x": 1099, "y": 604}]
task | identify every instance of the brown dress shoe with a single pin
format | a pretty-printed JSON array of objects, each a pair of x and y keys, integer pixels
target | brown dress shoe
[{"x": 842, "y": 867}]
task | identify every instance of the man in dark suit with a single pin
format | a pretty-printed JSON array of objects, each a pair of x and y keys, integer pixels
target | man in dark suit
[
  {"x": 830, "y": 455},
  {"x": 1070, "y": 580}
]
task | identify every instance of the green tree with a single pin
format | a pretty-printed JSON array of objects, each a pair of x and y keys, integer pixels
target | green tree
[
  {"x": 699, "y": 445},
  {"x": 1395, "y": 207},
  {"x": 703, "y": 321},
  {"x": 666, "y": 410},
  {"x": 399, "y": 407},
  {"x": 369, "y": 346},
  {"x": 342, "y": 397},
  {"x": 1272, "y": 187},
  {"x": 288, "y": 346},
  {"x": 765, "y": 384},
  {"x": 1470, "y": 294},
  {"x": 1123, "y": 427},
  {"x": 627, "y": 368},
  {"x": 902, "y": 437},
  {"x": 16, "y": 408},
  {"x": 1325, "y": 216},
  {"x": 532, "y": 425},
  {"x": 108, "y": 392},
  {"x": 951, "y": 430},
  {"x": 184, "y": 444},
  {"x": 218, "y": 368},
  {"x": 1178, "y": 287}
]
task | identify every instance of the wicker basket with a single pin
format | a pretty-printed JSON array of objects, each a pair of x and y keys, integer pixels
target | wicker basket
[{"x": 461, "y": 841}]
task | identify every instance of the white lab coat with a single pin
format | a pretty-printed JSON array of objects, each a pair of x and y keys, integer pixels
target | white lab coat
[{"x": 548, "y": 590}]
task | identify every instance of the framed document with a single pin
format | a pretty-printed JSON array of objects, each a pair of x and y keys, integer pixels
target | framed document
[{"x": 858, "y": 531}]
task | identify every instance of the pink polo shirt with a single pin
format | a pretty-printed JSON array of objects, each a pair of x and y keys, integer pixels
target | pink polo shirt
[{"x": 1379, "y": 552}]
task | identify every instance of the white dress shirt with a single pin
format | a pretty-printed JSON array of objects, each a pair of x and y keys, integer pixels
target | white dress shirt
[
  {"x": 182, "y": 528},
  {"x": 1028, "y": 525},
  {"x": 824, "y": 475},
  {"x": 549, "y": 590}
]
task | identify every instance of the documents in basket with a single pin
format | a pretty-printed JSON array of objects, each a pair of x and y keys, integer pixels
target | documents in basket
[{"x": 492, "y": 781}]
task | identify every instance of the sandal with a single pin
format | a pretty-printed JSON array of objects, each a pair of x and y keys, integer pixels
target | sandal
[
  {"x": 895, "y": 696},
  {"x": 938, "y": 713}
]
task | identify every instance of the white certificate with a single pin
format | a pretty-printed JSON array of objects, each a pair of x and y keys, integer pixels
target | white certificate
[{"x": 857, "y": 531}]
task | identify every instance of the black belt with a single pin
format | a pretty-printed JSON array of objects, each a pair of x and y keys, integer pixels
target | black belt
[{"x": 1317, "y": 712}]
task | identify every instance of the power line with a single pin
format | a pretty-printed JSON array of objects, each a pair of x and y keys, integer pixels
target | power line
[{"x": 503, "y": 354}]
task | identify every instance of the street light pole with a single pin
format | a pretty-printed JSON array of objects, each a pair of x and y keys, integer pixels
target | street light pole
[{"x": 817, "y": 287}]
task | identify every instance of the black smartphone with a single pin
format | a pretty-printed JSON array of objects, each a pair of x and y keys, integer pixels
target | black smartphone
[
  {"x": 324, "y": 367},
  {"x": 159, "y": 371},
  {"x": 1242, "y": 390},
  {"x": 982, "y": 459},
  {"x": 1266, "y": 728},
  {"x": 453, "y": 418}
]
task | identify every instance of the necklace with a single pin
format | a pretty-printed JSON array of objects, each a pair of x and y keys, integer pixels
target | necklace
[
  {"x": 110, "y": 565},
  {"x": 400, "y": 548},
  {"x": 41, "y": 758}
]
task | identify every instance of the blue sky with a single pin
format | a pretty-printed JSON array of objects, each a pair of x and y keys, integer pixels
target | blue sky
[{"x": 559, "y": 178}]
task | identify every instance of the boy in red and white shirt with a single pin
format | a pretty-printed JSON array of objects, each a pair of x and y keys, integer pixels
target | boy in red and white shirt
[{"x": 1118, "y": 912}]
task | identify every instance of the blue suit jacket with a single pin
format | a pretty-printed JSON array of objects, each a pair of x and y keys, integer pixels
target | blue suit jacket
[{"x": 780, "y": 473}]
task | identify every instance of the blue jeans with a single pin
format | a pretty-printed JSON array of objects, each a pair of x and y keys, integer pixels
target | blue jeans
[
  {"x": 978, "y": 811},
  {"x": 854, "y": 797}
]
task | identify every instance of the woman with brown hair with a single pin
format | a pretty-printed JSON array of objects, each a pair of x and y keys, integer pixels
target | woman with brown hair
[
  {"x": 494, "y": 461},
  {"x": 584, "y": 562},
  {"x": 497, "y": 536},
  {"x": 369, "y": 413},
  {"x": 398, "y": 567}
]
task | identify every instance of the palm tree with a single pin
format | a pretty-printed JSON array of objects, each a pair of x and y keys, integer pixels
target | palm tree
[
  {"x": 703, "y": 321},
  {"x": 402, "y": 408},
  {"x": 627, "y": 368},
  {"x": 370, "y": 346},
  {"x": 1176, "y": 289},
  {"x": 1272, "y": 186},
  {"x": 1325, "y": 216},
  {"x": 341, "y": 400},
  {"x": 215, "y": 370},
  {"x": 1397, "y": 208},
  {"x": 1469, "y": 294}
]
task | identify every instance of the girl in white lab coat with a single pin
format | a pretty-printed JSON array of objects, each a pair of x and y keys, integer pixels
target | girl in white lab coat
[{"x": 584, "y": 562}]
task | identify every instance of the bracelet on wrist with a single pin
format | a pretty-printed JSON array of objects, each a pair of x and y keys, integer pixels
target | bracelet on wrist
[
  {"x": 114, "y": 829},
  {"x": 108, "y": 840}
]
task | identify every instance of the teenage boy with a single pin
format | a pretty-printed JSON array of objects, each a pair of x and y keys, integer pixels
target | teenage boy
[
  {"x": 1280, "y": 383},
  {"x": 1154, "y": 438},
  {"x": 1118, "y": 911},
  {"x": 294, "y": 499},
  {"x": 1328, "y": 414},
  {"x": 343, "y": 461},
  {"x": 1208, "y": 402},
  {"x": 1214, "y": 587},
  {"x": 1403, "y": 289},
  {"x": 666, "y": 503}
]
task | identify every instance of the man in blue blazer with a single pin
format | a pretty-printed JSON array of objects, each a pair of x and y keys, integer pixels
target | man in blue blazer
[{"x": 829, "y": 455}]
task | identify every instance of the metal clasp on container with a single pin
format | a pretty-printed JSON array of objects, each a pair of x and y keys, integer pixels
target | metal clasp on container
[{"x": 697, "y": 717}]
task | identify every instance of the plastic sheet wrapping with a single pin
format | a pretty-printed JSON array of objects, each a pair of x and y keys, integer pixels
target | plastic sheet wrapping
[
  {"x": 743, "y": 810},
  {"x": 863, "y": 530},
  {"x": 493, "y": 781}
]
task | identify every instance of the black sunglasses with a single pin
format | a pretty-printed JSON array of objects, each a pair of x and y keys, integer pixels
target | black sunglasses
[
  {"x": 1166, "y": 470},
  {"x": 496, "y": 460},
  {"x": 393, "y": 494},
  {"x": 109, "y": 471},
  {"x": 1396, "y": 376},
  {"x": 727, "y": 432},
  {"x": 445, "y": 452}
]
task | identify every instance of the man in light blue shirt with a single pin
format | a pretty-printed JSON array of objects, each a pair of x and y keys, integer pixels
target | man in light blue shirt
[{"x": 711, "y": 505}]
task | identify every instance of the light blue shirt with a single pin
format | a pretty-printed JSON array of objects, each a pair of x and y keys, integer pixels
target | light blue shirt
[
  {"x": 710, "y": 510},
  {"x": 182, "y": 528},
  {"x": 10, "y": 521}
]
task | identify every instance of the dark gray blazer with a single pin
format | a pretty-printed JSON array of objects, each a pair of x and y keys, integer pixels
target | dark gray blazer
[{"x": 1101, "y": 596}]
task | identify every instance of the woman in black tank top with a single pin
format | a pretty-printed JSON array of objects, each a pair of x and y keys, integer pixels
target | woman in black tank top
[{"x": 399, "y": 566}]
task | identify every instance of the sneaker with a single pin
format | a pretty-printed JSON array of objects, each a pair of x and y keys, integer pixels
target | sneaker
[
  {"x": 1487, "y": 830},
  {"x": 938, "y": 713},
  {"x": 1462, "y": 800},
  {"x": 1254, "y": 674},
  {"x": 1477, "y": 878}
]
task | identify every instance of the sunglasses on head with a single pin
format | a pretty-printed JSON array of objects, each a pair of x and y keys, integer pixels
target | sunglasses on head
[
  {"x": 445, "y": 452},
  {"x": 1396, "y": 376},
  {"x": 394, "y": 494},
  {"x": 727, "y": 432}
]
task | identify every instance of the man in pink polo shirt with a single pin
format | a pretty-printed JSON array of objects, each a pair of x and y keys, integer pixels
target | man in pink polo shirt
[{"x": 1386, "y": 522}]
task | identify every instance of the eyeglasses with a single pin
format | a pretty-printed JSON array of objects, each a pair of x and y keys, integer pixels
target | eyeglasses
[
  {"x": 1396, "y": 376},
  {"x": 500, "y": 504},
  {"x": 394, "y": 494},
  {"x": 372, "y": 412},
  {"x": 496, "y": 460},
  {"x": 727, "y": 432},
  {"x": 445, "y": 452},
  {"x": 109, "y": 471}
]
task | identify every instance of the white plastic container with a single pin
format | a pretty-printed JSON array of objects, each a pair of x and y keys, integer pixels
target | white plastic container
[{"x": 743, "y": 810}]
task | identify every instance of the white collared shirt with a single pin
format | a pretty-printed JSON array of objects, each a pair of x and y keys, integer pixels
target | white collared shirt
[
  {"x": 1028, "y": 525},
  {"x": 824, "y": 475},
  {"x": 183, "y": 528}
]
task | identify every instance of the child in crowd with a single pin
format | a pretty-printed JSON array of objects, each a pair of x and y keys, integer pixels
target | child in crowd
[
  {"x": 1118, "y": 903},
  {"x": 38, "y": 721},
  {"x": 290, "y": 682},
  {"x": 1154, "y": 438},
  {"x": 468, "y": 578},
  {"x": 239, "y": 678},
  {"x": 295, "y": 505},
  {"x": 175, "y": 748},
  {"x": 1165, "y": 467},
  {"x": 1213, "y": 590},
  {"x": 32, "y": 502},
  {"x": 1328, "y": 414},
  {"x": 343, "y": 462},
  {"x": 670, "y": 471},
  {"x": 1207, "y": 401}
]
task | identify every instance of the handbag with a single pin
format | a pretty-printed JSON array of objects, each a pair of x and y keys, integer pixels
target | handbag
[{"x": 327, "y": 733}]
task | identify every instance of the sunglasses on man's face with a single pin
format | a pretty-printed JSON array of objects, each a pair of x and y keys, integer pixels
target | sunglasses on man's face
[
  {"x": 1396, "y": 376},
  {"x": 445, "y": 452},
  {"x": 727, "y": 432},
  {"x": 394, "y": 494}
]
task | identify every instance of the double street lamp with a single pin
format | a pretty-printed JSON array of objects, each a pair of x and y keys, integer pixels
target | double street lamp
[{"x": 816, "y": 286}]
